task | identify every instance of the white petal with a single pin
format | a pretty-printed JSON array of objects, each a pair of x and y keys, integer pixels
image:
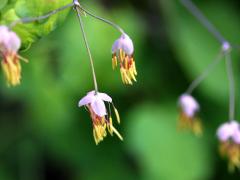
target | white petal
[
  {"x": 98, "y": 107},
  {"x": 105, "y": 97},
  {"x": 86, "y": 100}
]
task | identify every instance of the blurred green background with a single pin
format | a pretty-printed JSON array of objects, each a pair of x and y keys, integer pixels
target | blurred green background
[{"x": 44, "y": 135}]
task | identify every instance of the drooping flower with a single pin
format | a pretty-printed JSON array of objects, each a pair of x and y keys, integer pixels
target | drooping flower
[
  {"x": 9, "y": 46},
  {"x": 188, "y": 114},
  {"x": 122, "y": 53},
  {"x": 101, "y": 118},
  {"x": 229, "y": 137}
]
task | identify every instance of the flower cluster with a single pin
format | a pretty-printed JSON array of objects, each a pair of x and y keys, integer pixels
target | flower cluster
[
  {"x": 229, "y": 137},
  {"x": 9, "y": 46},
  {"x": 94, "y": 101},
  {"x": 188, "y": 114}
]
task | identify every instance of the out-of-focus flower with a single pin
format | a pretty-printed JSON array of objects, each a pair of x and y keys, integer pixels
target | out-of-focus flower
[
  {"x": 101, "y": 118},
  {"x": 122, "y": 53},
  {"x": 229, "y": 137},
  {"x": 9, "y": 46},
  {"x": 188, "y": 110}
]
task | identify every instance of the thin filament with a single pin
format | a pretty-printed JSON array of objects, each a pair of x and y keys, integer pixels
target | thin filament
[
  {"x": 205, "y": 73},
  {"x": 30, "y": 20},
  {"x": 88, "y": 48},
  {"x": 195, "y": 11},
  {"x": 102, "y": 19},
  {"x": 230, "y": 74}
]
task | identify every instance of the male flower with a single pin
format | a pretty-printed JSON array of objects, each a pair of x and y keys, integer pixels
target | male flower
[
  {"x": 9, "y": 46},
  {"x": 229, "y": 137},
  {"x": 122, "y": 53},
  {"x": 188, "y": 110},
  {"x": 101, "y": 119}
]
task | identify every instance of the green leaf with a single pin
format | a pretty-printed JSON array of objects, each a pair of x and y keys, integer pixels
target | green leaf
[{"x": 28, "y": 9}]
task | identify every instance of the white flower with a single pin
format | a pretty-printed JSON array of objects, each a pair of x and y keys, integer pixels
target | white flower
[
  {"x": 188, "y": 119},
  {"x": 96, "y": 102},
  {"x": 122, "y": 53},
  {"x": 9, "y": 46},
  {"x": 101, "y": 119},
  {"x": 9, "y": 41},
  {"x": 229, "y": 136},
  {"x": 123, "y": 43},
  {"x": 229, "y": 131},
  {"x": 188, "y": 105}
]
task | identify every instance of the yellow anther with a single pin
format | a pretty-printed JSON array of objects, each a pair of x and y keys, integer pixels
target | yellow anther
[
  {"x": 117, "y": 115},
  {"x": 117, "y": 133}
]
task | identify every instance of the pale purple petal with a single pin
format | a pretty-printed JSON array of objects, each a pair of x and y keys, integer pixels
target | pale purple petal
[
  {"x": 127, "y": 44},
  {"x": 91, "y": 92},
  {"x": 3, "y": 37},
  {"x": 98, "y": 107},
  {"x": 86, "y": 100},
  {"x": 226, "y": 131},
  {"x": 124, "y": 43},
  {"x": 105, "y": 97},
  {"x": 14, "y": 42},
  {"x": 236, "y": 136},
  {"x": 188, "y": 105},
  {"x": 116, "y": 46},
  {"x": 9, "y": 41}
]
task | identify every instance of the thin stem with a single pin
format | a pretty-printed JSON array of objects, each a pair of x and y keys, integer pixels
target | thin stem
[
  {"x": 102, "y": 19},
  {"x": 230, "y": 74},
  {"x": 195, "y": 11},
  {"x": 30, "y": 20},
  {"x": 88, "y": 49},
  {"x": 205, "y": 73}
]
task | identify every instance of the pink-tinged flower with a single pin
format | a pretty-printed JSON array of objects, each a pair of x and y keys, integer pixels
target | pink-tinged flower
[
  {"x": 229, "y": 137},
  {"x": 188, "y": 114},
  {"x": 9, "y": 46},
  {"x": 122, "y": 53},
  {"x": 101, "y": 118}
]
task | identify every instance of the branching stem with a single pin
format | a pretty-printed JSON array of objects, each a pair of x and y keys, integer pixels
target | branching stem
[
  {"x": 39, "y": 18},
  {"x": 195, "y": 11},
  {"x": 102, "y": 19},
  {"x": 205, "y": 73}
]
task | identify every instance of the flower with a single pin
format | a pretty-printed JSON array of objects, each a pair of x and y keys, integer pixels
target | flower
[
  {"x": 122, "y": 53},
  {"x": 188, "y": 110},
  {"x": 229, "y": 137},
  {"x": 9, "y": 46},
  {"x": 101, "y": 118}
]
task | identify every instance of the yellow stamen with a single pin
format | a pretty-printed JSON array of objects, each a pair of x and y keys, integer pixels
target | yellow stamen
[
  {"x": 131, "y": 73},
  {"x": 109, "y": 126},
  {"x": 122, "y": 55},
  {"x": 117, "y": 115},
  {"x": 134, "y": 68},
  {"x": 23, "y": 59},
  {"x": 117, "y": 133},
  {"x": 12, "y": 69},
  {"x": 126, "y": 62}
]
